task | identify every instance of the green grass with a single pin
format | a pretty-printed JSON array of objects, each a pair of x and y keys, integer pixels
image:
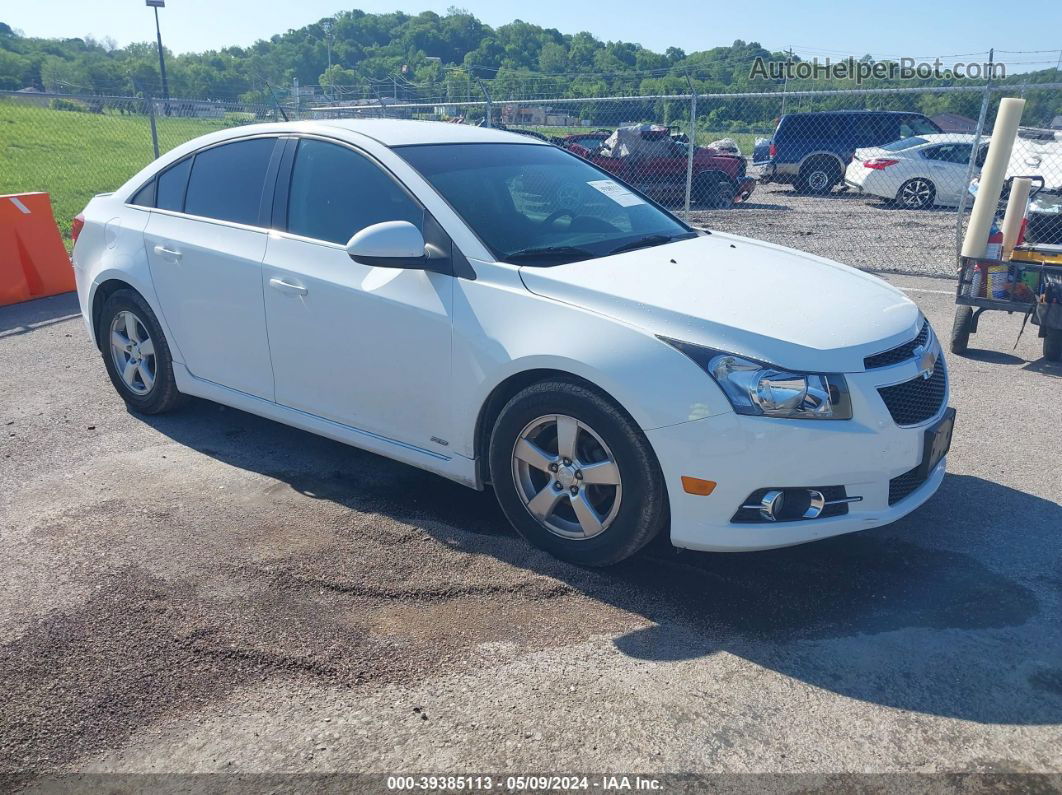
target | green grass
[{"x": 73, "y": 155}]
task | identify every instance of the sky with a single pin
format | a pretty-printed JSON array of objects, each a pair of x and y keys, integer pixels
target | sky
[{"x": 1026, "y": 38}]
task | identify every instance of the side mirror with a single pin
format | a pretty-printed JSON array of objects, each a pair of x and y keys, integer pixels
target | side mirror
[{"x": 391, "y": 244}]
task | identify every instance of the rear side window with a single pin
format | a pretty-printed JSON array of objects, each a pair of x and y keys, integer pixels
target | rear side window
[
  {"x": 336, "y": 192},
  {"x": 949, "y": 153},
  {"x": 812, "y": 125},
  {"x": 875, "y": 128},
  {"x": 171, "y": 184},
  {"x": 226, "y": 181}
]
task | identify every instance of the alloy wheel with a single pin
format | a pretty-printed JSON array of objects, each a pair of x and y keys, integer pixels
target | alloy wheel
[
  {"x": 133, "y": 352},
  {"x": 566, "y": 476},
  {"x": 916, "y": 194}
]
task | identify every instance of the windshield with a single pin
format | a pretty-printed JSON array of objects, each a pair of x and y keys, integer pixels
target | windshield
[{"x": 539, "y": 205}]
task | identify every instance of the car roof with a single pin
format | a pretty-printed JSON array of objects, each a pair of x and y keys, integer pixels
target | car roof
[
  {"x": 856, "y": 113},
  {"x": 949, "y": 138},
  {"x": 409, "y": 132}
]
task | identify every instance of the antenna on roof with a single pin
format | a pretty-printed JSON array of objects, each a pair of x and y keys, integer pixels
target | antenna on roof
[{"x": 279, "y": 106}]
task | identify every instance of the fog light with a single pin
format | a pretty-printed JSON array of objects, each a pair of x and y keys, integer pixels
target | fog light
[
  {"x": 771, "y": 504},
  {"x": 816, "y": 502},
  {"x": 794, "y": 504}
]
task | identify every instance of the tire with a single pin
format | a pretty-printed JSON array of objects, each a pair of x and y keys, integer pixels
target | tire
[
  {"x": 916, "y": 194},
  {"x": 629, "y": 513},
  {"x": 818, "y": 176},
  {"x": 1053, "y": 344},
  {"x": 960, "y": 329},
  {"x": 713, "y": 189},
  {"x": 143, "y": 373}
]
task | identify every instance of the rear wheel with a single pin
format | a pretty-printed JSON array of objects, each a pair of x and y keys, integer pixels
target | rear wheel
[
  {"x": 1053, "y": 344},
  {"x": 818, "y": 176},
  {"x": 575, "y": 476},
  {"x": 960, "y": 329},
  {"x": 136, "y": 354},
  {"x": 916, "y": 194}
]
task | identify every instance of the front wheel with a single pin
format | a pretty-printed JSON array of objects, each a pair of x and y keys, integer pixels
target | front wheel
[
  {"x": 136, "y": 354},
  {"x": 575, "y": 475}
]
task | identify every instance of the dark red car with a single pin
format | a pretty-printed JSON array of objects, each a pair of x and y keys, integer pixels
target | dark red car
[{"x": 652, "y": 159}]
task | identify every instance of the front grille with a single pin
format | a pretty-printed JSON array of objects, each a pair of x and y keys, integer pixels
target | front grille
[
  {"x": 898, "y": 354},
  {"x": 903, "y": 485},
  {"x": 916, "y": 400}
]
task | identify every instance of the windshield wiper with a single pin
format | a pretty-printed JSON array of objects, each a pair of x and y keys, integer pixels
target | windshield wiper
[
  {"x": 646, "y": 242},
  {"x": 550, "y": 252}
]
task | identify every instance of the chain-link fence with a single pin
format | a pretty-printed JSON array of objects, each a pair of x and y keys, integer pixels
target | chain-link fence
[{"x": 874, "y": 178}]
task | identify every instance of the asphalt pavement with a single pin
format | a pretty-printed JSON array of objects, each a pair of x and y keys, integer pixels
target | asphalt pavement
[{"x": 210, "y": 591}]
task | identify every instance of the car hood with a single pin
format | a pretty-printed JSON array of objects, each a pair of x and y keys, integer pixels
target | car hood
[{"x": 742, "y": 296}]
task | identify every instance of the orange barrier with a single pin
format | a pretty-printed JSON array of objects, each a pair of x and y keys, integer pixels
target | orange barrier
[{"x": 33, "y": 260}]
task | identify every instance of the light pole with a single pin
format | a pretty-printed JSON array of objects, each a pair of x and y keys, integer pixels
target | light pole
[
  {"x": 327, "y": 24},
  {"x": 157, "y": 4}
]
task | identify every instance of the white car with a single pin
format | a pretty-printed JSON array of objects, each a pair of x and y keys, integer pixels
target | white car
[
  {"x": 917, "y": 172},
  {"x": 496, "y": 310}
]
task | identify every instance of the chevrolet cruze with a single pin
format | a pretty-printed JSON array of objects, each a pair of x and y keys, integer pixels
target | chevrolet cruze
[{"x": 497, "y": 310}]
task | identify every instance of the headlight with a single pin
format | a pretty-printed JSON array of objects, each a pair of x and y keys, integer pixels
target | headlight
[{"x": 764, "y": 390}]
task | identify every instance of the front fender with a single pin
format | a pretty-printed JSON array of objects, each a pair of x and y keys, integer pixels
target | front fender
[{"x": 501, "y": 330}]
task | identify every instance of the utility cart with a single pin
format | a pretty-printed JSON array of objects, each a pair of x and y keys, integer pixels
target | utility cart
[{"x": 1029, "y": 283}]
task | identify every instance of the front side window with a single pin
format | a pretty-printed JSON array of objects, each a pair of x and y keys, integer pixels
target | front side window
[
  {"x": 540, "y": 205},
  {"x": 226, "y": 181},
  {"x": 336, "y": 192}
]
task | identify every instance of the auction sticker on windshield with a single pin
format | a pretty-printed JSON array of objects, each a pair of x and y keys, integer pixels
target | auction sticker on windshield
[{"x": 616, "y": 192}]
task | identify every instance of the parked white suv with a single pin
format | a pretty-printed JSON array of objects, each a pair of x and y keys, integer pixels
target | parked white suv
[{"x": 496, "y": 310}]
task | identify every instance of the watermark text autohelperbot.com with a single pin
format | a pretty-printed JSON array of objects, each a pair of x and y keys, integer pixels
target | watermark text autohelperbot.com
[{"x": 852, "y": 69}]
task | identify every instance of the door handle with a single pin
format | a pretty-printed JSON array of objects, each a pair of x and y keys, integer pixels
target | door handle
[
  {"x": 287, "y": 287},
  {"x": 168, "y": 253}
]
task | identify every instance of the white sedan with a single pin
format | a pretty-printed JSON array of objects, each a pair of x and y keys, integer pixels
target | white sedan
[
  {"x": 493, "y": 309},
  {"x": 916, "y": 172}
]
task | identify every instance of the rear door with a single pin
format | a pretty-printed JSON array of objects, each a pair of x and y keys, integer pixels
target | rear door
[
  {"x": 948, "y": 164},
  {"x": 205, "y": 243}
]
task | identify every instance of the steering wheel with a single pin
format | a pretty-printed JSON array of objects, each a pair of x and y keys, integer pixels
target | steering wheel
[{"x": 556, "y": 215}]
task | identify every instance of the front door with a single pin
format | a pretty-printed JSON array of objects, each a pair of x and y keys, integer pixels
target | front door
[{"x": 365, "y": 346}]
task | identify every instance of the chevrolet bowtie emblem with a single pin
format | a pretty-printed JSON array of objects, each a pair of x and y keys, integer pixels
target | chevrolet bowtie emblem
[{"x": 927, "y": 361}]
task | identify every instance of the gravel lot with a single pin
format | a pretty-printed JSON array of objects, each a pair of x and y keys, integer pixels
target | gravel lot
[
  {"x": 209, "y": 591},
  {"x": 858, "y": 230}
]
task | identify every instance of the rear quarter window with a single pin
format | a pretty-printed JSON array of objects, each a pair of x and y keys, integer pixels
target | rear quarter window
[
  {"x": 145, "y": 197},
  {"x": 171, "y": 184}
]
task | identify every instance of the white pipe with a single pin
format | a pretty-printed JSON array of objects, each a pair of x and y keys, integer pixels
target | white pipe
[
  {"x": 990, "y": 186},
  {"x": 1016, "y": 206}
]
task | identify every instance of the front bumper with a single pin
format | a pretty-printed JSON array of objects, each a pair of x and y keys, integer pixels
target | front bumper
[{"x": 743, "y": 454}]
